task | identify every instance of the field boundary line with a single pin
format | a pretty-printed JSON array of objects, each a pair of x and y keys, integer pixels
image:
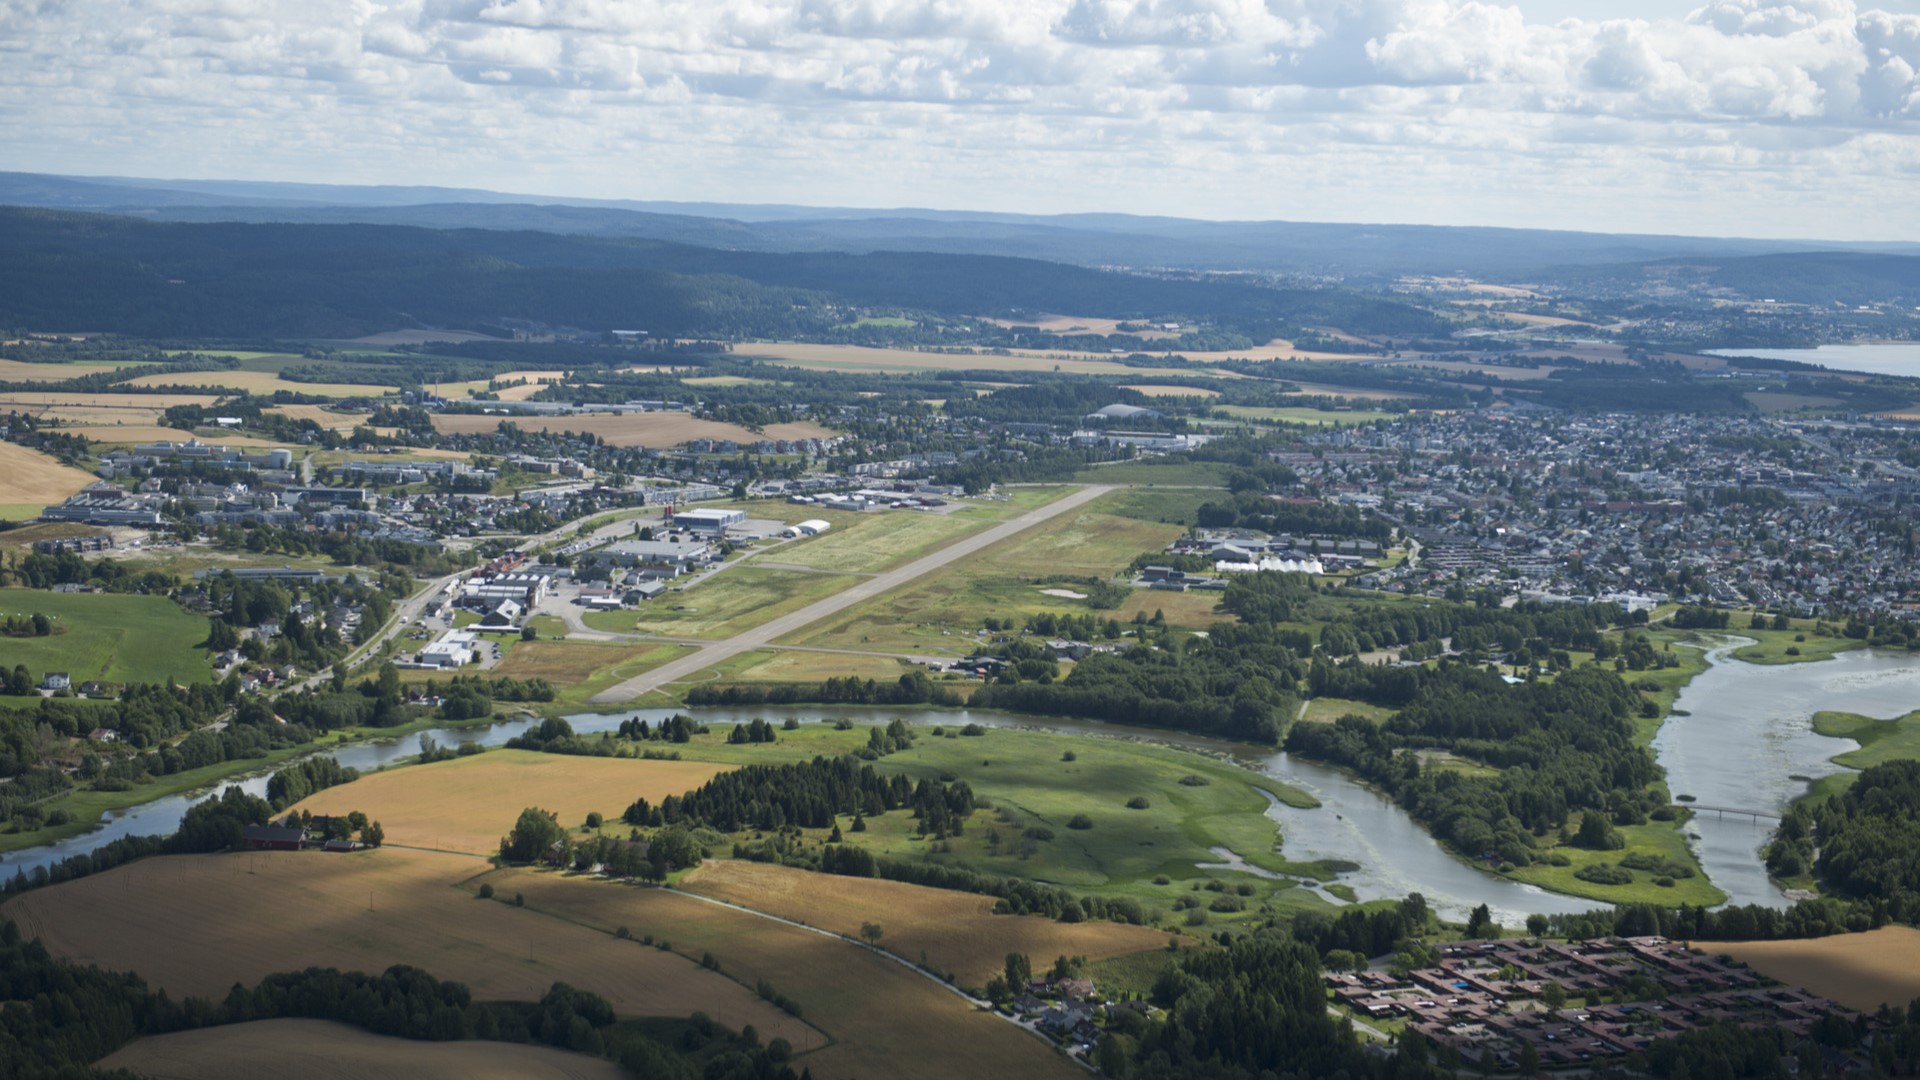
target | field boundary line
[
  {"x": 978, "y": 1004},
  {"x": 828, "y": 1038}
]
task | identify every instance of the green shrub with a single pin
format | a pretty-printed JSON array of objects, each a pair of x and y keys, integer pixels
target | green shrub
[{"x": 1605, "y": 874}]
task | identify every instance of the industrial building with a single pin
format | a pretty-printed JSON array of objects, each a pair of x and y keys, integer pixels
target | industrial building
[{"x": 708, "y": 520}]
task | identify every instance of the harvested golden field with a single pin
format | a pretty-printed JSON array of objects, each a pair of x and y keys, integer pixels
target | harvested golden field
[
  {"x": 261, "y": 382},
  {"x": 1860, "y": 971},
  {"x": 21, "y": 371},
  {"x": 1161, "y": 390},
  {"x": 469, "y": 803},
  {"x": 856, "y": 358},
  {"x": 887, "y": 1020},
  {"x": 323, "y": 1050},
  {"x": 117, "y": 434},
  {"x": 31, "y": 478},
  {"x": 656, "y": 430},
  {"x": 956, "y": 932},
  {"x": 536, "y": 381},
  {"x": 323, "y": 416},
  {"x": 197, "y": 924},
  {"x": 36, "y": 400}
]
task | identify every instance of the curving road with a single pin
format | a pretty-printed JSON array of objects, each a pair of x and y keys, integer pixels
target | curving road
[{"x": 717, "y": 652}]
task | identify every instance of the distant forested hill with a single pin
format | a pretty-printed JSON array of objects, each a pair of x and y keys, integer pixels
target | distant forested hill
[
  {"x": 1818, "y": 277},
  {"x": 72, "y": 271}
]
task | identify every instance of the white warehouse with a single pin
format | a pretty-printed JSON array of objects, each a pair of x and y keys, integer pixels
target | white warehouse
[{"x": 809, "y": 527}]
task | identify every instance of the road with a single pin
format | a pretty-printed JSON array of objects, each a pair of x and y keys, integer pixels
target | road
[
  {"x": 406, "y": 615},
  {"x": 713, "y": 653}
]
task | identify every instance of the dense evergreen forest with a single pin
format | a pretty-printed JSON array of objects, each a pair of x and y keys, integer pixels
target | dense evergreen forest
[{"x": 66, "y": 270}]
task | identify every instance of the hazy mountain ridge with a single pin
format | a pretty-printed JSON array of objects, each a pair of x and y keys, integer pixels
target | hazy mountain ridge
[
  {"x": 1362, "y": 251},
  {"x": 67, "y": 270}
]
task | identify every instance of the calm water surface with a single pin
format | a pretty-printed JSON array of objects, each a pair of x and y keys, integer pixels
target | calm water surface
[
  {"x": 1751, "y": 732},
  {"x": 1884, "y": 358}
]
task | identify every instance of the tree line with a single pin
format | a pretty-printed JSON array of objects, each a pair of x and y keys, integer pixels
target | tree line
[{"x": 61, "y": 1017}]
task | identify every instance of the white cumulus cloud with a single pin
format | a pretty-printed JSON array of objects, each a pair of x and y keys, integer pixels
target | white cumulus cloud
[{"x": 1442, "y": 110}]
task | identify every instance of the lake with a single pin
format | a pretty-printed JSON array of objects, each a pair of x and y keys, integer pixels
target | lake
[{"x": 1881, "y": 358}]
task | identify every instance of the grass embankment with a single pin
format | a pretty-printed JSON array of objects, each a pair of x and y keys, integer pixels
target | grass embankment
[
  {"x": 580, "y": 669},
  {"x": 790, "y": 666},
  {"x": 1670, "y": 681},
  {"x": 731, "y": 601},
  {"x": 940, "y": 613},
  {"x": 112, "y": 637}
]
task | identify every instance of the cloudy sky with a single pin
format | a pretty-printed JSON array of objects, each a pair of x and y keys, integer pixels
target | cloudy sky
[{"x": 1750, "y": 117}]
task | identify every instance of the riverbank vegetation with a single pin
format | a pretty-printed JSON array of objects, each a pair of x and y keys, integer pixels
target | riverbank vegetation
[{"x": 1859, "y": 843}]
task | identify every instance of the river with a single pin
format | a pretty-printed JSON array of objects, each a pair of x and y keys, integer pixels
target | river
[
  {"x": 1748, "y": 732},
  {"x": 1751, "y": 731},
  {"x": 1878, "y": 358}
]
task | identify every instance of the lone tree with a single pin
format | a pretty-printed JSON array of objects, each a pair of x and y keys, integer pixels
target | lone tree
[
  {"x": 532, "y": 836},
  {"x": 871, "y": 931},
  {"x": 1480, "y": 923},
  {"x": 1019, "y": 972}
]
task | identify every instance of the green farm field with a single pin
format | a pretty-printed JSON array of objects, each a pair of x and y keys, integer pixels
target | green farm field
[
  {"x": 110, "y": 637},
  {"x": 939, "y": 614}
]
